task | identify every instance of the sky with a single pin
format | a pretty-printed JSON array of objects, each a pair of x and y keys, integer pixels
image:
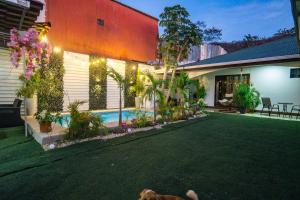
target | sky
[{"x": 236, "y": 18}]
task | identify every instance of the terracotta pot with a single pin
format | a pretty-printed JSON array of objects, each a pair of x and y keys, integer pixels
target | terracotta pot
[{"x": 45, "y": 127}]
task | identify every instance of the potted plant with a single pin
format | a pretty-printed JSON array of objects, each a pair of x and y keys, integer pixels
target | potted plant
[
  {"x": 28, "y": 91},
  {"x": 45, "y": 119},
  {"x": 240, "y": 96},
  {"x": 246, "y": 97}
]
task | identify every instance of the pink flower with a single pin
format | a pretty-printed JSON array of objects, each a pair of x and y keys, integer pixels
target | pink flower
[{"x": 31, "y": 47}]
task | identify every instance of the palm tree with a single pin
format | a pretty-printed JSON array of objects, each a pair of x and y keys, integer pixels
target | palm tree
[
  {"x": 182, "y": 86},
  {"x": 153, "y": 91},
  {"x": 121, "y": 81}
]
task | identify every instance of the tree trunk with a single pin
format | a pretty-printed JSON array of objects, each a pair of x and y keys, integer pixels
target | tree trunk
[
  {"x": 120, "y": 107},
  {"x": 165, "y": 76},
  {"x": 174, "y": 69},
  {"x": 171, "y": 83},
  {"x": 154, "y": 107}
]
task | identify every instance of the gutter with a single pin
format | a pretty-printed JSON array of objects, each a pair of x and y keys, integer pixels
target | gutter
[{"x": 258, "y": 61}]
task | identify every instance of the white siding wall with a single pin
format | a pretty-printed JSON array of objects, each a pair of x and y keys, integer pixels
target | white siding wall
[
  {"x": 113, "y": 96},
  {"x": 76, "y": 79},
  {"x": 270, "y": 81},
  {"x": 147, "y": 68},
  {"x": 9, "y": 78}
]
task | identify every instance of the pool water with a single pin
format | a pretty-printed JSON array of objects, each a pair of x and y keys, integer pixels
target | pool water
[{"x": 108, "y": 117}]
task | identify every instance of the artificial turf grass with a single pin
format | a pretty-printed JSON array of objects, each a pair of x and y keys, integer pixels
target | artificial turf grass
[{"x": 220, "y": 157}]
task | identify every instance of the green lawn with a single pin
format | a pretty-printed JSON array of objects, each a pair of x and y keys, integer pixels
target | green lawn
[{"x": 220, "y": 157}]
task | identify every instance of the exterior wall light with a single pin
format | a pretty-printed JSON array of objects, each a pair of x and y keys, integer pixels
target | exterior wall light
[
  {"x": 56, "y": 50},
  {"x": 44, "y": 39}
]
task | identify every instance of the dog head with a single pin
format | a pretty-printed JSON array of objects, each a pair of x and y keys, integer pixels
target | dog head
[{"x": 148, "y": 194}]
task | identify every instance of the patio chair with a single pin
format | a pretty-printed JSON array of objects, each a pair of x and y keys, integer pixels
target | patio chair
[
  {"x": 297, "y": 109},
  {"x": 227, "y": 101},
  {"x": 266, "y": 101},
  {"x": 10, "y": 114}
]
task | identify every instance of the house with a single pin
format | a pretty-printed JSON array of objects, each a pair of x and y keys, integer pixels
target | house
[
  {"x": 22, "y": 15},
  {"x": 272, "y": 68},
  {"x": 89, "y": 32}
]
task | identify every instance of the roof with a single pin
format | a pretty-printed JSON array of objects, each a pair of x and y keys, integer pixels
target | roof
[{"x": 283, "y": 47}]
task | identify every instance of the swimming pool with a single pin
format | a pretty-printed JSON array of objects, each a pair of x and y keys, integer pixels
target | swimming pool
[{"x": 108, "y": 117}]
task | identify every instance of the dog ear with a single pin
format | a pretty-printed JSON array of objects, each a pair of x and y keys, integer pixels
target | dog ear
[{"x": 144, "y": 191}]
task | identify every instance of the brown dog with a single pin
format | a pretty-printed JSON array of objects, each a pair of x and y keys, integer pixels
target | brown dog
[{"x": 148, "y": 194}]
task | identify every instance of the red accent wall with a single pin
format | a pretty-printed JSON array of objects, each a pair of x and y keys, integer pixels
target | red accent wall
[{"x": 126, "y": 34}]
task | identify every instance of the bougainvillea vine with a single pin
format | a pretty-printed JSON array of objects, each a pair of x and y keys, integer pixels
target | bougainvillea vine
[{"x": 31, "y": 47}]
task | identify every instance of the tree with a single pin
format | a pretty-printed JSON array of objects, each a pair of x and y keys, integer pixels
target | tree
[
  {"x": 251, "y": 40},
  {"x": 121, "y": 81},
  {"x": 153, "y": 91},
  {"x": 209, "y": 35},
  {"x": 212, "y": 34},
  {"x": 179, "y": 35},
  {"x": 285, "y": 31},
  {"x": 182, "y": 83}
]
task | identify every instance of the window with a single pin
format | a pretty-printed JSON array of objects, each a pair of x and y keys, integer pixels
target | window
[
  {"x": 100, "y": 22},
  {"x": 295, "y": 73}
]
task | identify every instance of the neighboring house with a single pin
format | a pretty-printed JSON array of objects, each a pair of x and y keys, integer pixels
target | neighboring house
[
  {"x": 272, "y": 68},
  {"x": 122, "y": 36},
  {"x": 203, "y": 52}
]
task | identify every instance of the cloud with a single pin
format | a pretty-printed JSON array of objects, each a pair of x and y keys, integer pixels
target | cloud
[{"x": 260, "y": 18}]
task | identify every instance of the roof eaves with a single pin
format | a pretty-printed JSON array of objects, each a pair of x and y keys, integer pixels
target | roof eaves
[{"x": 258, "y": 61}]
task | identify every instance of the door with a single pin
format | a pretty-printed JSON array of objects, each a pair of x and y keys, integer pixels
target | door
[{"x": 225, "y": 85}]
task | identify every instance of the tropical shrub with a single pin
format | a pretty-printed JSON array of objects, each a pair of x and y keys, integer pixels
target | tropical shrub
[
  {"x": 201, "y": 92},
  {"x": 153, "y": 91},
  {"x": 131, "y": 71},
  {"x": 45, "y": 117},
  {"x": 202, "y": 104},
  {"x": 164, "y": 110},
  {"x": 246, "y": 97},
  {"x": 141, "y": 120},
  {"x": 254, "y": 99},
  {"x": 29, "y": 87},
  {"x": 82, "y": 124},
  {"x": 177, "y": 113},
  {"x": 197, "y": 89}
]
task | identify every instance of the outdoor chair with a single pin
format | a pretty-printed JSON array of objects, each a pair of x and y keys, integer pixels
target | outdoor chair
[
  {"x": 227, "y": 101},
  {"x": 297, "y": 109},
  {"x": 266, "y": 101},
  {"x": 10, "y": 114}
]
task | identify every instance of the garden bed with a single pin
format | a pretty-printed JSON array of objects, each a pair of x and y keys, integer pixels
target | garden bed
[{"x": 54, "y": 142}]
